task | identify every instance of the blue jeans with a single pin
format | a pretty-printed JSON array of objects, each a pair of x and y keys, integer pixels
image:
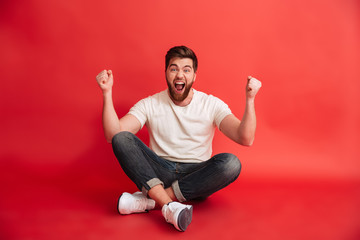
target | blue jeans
[{"x": 188, "y": 180}]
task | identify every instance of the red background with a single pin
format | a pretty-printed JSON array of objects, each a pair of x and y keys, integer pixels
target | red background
[{"x": 54, "y": 158}]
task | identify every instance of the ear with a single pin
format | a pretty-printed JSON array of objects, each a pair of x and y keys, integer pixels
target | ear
[{"x": 194, "y": 77}]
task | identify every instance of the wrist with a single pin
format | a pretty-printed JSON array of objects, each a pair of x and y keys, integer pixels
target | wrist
[
  {"x": 250, "y": 100},
  {"x": 107, "y": 93}
]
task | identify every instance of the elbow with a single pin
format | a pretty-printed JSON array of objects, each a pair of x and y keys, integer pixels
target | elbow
[
  {"x": 246, "y": 142},
  {"x": 109, "y": 137}
]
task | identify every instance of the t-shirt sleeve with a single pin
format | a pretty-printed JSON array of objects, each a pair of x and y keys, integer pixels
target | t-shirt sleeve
[
  {"x": 221, "y": 111},
  {"x": 139, "y": 111}
]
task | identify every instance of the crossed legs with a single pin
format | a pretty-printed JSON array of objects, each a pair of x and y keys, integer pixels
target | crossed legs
[
  {"x": 180, "y": 182},
  {"x": 166, "y": 182}
]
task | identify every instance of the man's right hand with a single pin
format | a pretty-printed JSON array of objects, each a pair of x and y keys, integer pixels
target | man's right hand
[{"x": 105, "y": 80}]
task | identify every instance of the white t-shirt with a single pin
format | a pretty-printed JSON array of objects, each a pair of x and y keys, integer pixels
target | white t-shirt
[{"x": 181, "y": 134}]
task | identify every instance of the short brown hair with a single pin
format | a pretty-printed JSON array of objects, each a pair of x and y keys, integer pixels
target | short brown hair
[{"x": 181, "y": 52}]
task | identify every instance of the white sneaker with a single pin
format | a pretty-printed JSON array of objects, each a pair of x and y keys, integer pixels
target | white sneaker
[
  {"x": 134, "y": 203},
  {"x": 180, "y": 215}
]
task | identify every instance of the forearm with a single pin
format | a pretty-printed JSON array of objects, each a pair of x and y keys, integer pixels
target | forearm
[
  {"x": 243, "y": 132},
  {"x": 247, "y": 127},
  {"x": 110, "y": 119}
]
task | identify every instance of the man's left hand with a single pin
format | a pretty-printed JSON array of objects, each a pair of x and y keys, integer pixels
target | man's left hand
[{"x": 252, "y": 87}]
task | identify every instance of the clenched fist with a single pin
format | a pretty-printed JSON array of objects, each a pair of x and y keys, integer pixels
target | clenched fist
[
  {"x": 105, "y": 80},
  {"x": 252, "y": 87}
]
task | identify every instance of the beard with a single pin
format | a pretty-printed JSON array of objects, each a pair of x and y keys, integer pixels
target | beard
[{"x": 179, "y": 97}]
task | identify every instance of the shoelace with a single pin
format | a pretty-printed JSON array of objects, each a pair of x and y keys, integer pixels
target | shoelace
[{"x": 140, "y": 202}]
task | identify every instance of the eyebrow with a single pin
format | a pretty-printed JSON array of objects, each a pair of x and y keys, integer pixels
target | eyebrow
[{"x": 173, "y": 64}]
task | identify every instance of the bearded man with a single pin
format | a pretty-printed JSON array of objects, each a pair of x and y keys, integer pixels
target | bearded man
[{"x": 178, "y": 165}]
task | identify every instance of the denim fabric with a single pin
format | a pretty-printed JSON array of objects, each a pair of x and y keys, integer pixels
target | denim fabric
[{"x": 188, "y": 180}]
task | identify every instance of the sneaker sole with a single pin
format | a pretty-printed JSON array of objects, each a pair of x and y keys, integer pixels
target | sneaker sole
[{"x": 184, "y": 218}]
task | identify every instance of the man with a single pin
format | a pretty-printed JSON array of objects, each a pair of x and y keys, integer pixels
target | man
[{"x": 177, "y": 166}]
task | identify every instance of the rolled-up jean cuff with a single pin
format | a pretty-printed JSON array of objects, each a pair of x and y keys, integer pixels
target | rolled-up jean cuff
[
  {"x": 176, "y": 188},
  {"x": 151, "y": 183}
]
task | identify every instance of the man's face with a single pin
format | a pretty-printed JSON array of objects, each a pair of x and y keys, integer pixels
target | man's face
[{"x": 180, "y": 77}]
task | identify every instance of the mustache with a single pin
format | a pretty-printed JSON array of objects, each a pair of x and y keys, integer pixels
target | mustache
[{"x": 179, "y": 97}]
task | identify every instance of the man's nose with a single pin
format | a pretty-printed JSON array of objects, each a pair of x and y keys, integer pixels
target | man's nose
[{"x": 180, "y": 74}]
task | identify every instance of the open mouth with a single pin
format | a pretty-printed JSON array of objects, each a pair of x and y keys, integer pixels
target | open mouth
[{"x": 179, "y": 86}]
